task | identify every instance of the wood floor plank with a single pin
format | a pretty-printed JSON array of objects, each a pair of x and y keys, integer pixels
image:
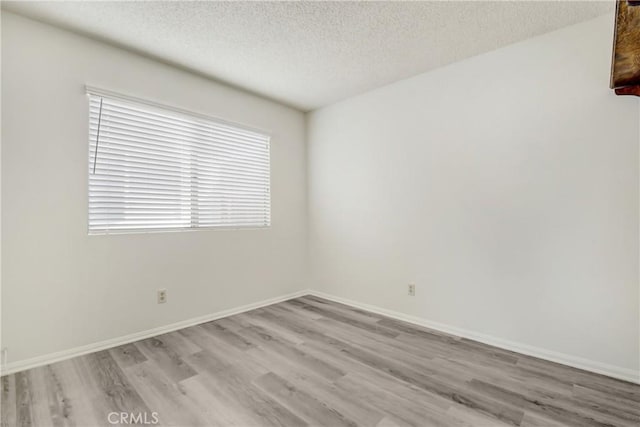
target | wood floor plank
[
  {"x": 536, "y": 420},
  {"x": 380, "y": 381},
  {"x": 493, "y": 375},
  {"x": 251, "y": 403},
  {"x": 469, "y": 418},
  {"x": 127, "y": 355},
  {"x": 612, "y": 386},
  {"x": 293, "y": 353},
  {"x": 462, "y": 344},
  {"x": 40, "y": 399},
  {"x": 242, "y": 321},
  {"x": 333, "y": 396},
  {"x": 286, "y": 306},
  {"x": 226, "y": 335},
  {"x": 388, "y": 421},
  {"x": 57, "y": 399},
  {"x": 397, "y": 401},
  {"x": 113, "y": 386},
  {"x": 24, "y": 405},
  {"x": 344, "y": 308},
  {"x": 341, "y": 310},
  {"x": 314, "y": 362},
  {"x": 75, "y": 394},
  {"x": 163, "y": 396},
  {"x": 8, "y": 414},
  {"x": 546, "y": 407},
  {"x": 180, "y": 345},
  {"x": 307, "y": 378},
  {"x": 225, "y": 355},
  {"x": 375, "y": 327},
  {"x": 611, "y": 402},
  {"x": 166, "y": 357},
  {"x": 389, "y": 350},
  {"x": 212, "y": 406},
  {"x": 305, "y": 405}
]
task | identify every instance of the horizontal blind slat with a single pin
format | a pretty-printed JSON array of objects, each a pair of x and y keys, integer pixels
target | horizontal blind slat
[
  {"x": 127, "y": 149},
  {"x": 170, "y": 145},
  {"x": 172, "y": 186},
  {"x": 110, "y": 157},
  {"x": 176, "y": 119},
  {"x": 117, "y": 119}
]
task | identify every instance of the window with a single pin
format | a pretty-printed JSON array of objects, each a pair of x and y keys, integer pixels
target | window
[{"x": 155, "y": 168}]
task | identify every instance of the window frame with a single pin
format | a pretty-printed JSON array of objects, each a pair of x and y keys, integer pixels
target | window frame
[{"x": 164, "y": 108}]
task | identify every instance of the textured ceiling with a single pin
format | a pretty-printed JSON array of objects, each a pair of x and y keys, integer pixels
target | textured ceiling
[{"x": 311, "y": 54}]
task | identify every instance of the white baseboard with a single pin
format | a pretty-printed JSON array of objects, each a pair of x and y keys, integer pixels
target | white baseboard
[
  {"x": 541, "y": 353},
  {"x": 553, "y": 356},
  {"x": 46, "y": 359}
]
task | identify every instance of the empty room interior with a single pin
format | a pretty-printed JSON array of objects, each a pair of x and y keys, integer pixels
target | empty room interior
[{"x": 320, "y": 213}]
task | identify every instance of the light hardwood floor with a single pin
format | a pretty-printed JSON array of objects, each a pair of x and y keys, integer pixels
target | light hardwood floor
[{"x": 309, "y": 361}]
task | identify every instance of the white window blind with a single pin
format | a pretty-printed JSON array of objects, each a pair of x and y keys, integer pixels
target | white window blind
[{"x": 153, "y": 168}]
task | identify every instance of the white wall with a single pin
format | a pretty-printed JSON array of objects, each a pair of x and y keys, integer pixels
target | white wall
[
  {"x": 505, "y": 186},
  {"x": 62, "y": 288}
]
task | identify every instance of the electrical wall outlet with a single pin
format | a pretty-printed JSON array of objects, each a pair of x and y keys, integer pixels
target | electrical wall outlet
[
  {"x": 412, "y": 289},
  {"x": 3, "y": 356},
  {"x": 162, "y": 296}
]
